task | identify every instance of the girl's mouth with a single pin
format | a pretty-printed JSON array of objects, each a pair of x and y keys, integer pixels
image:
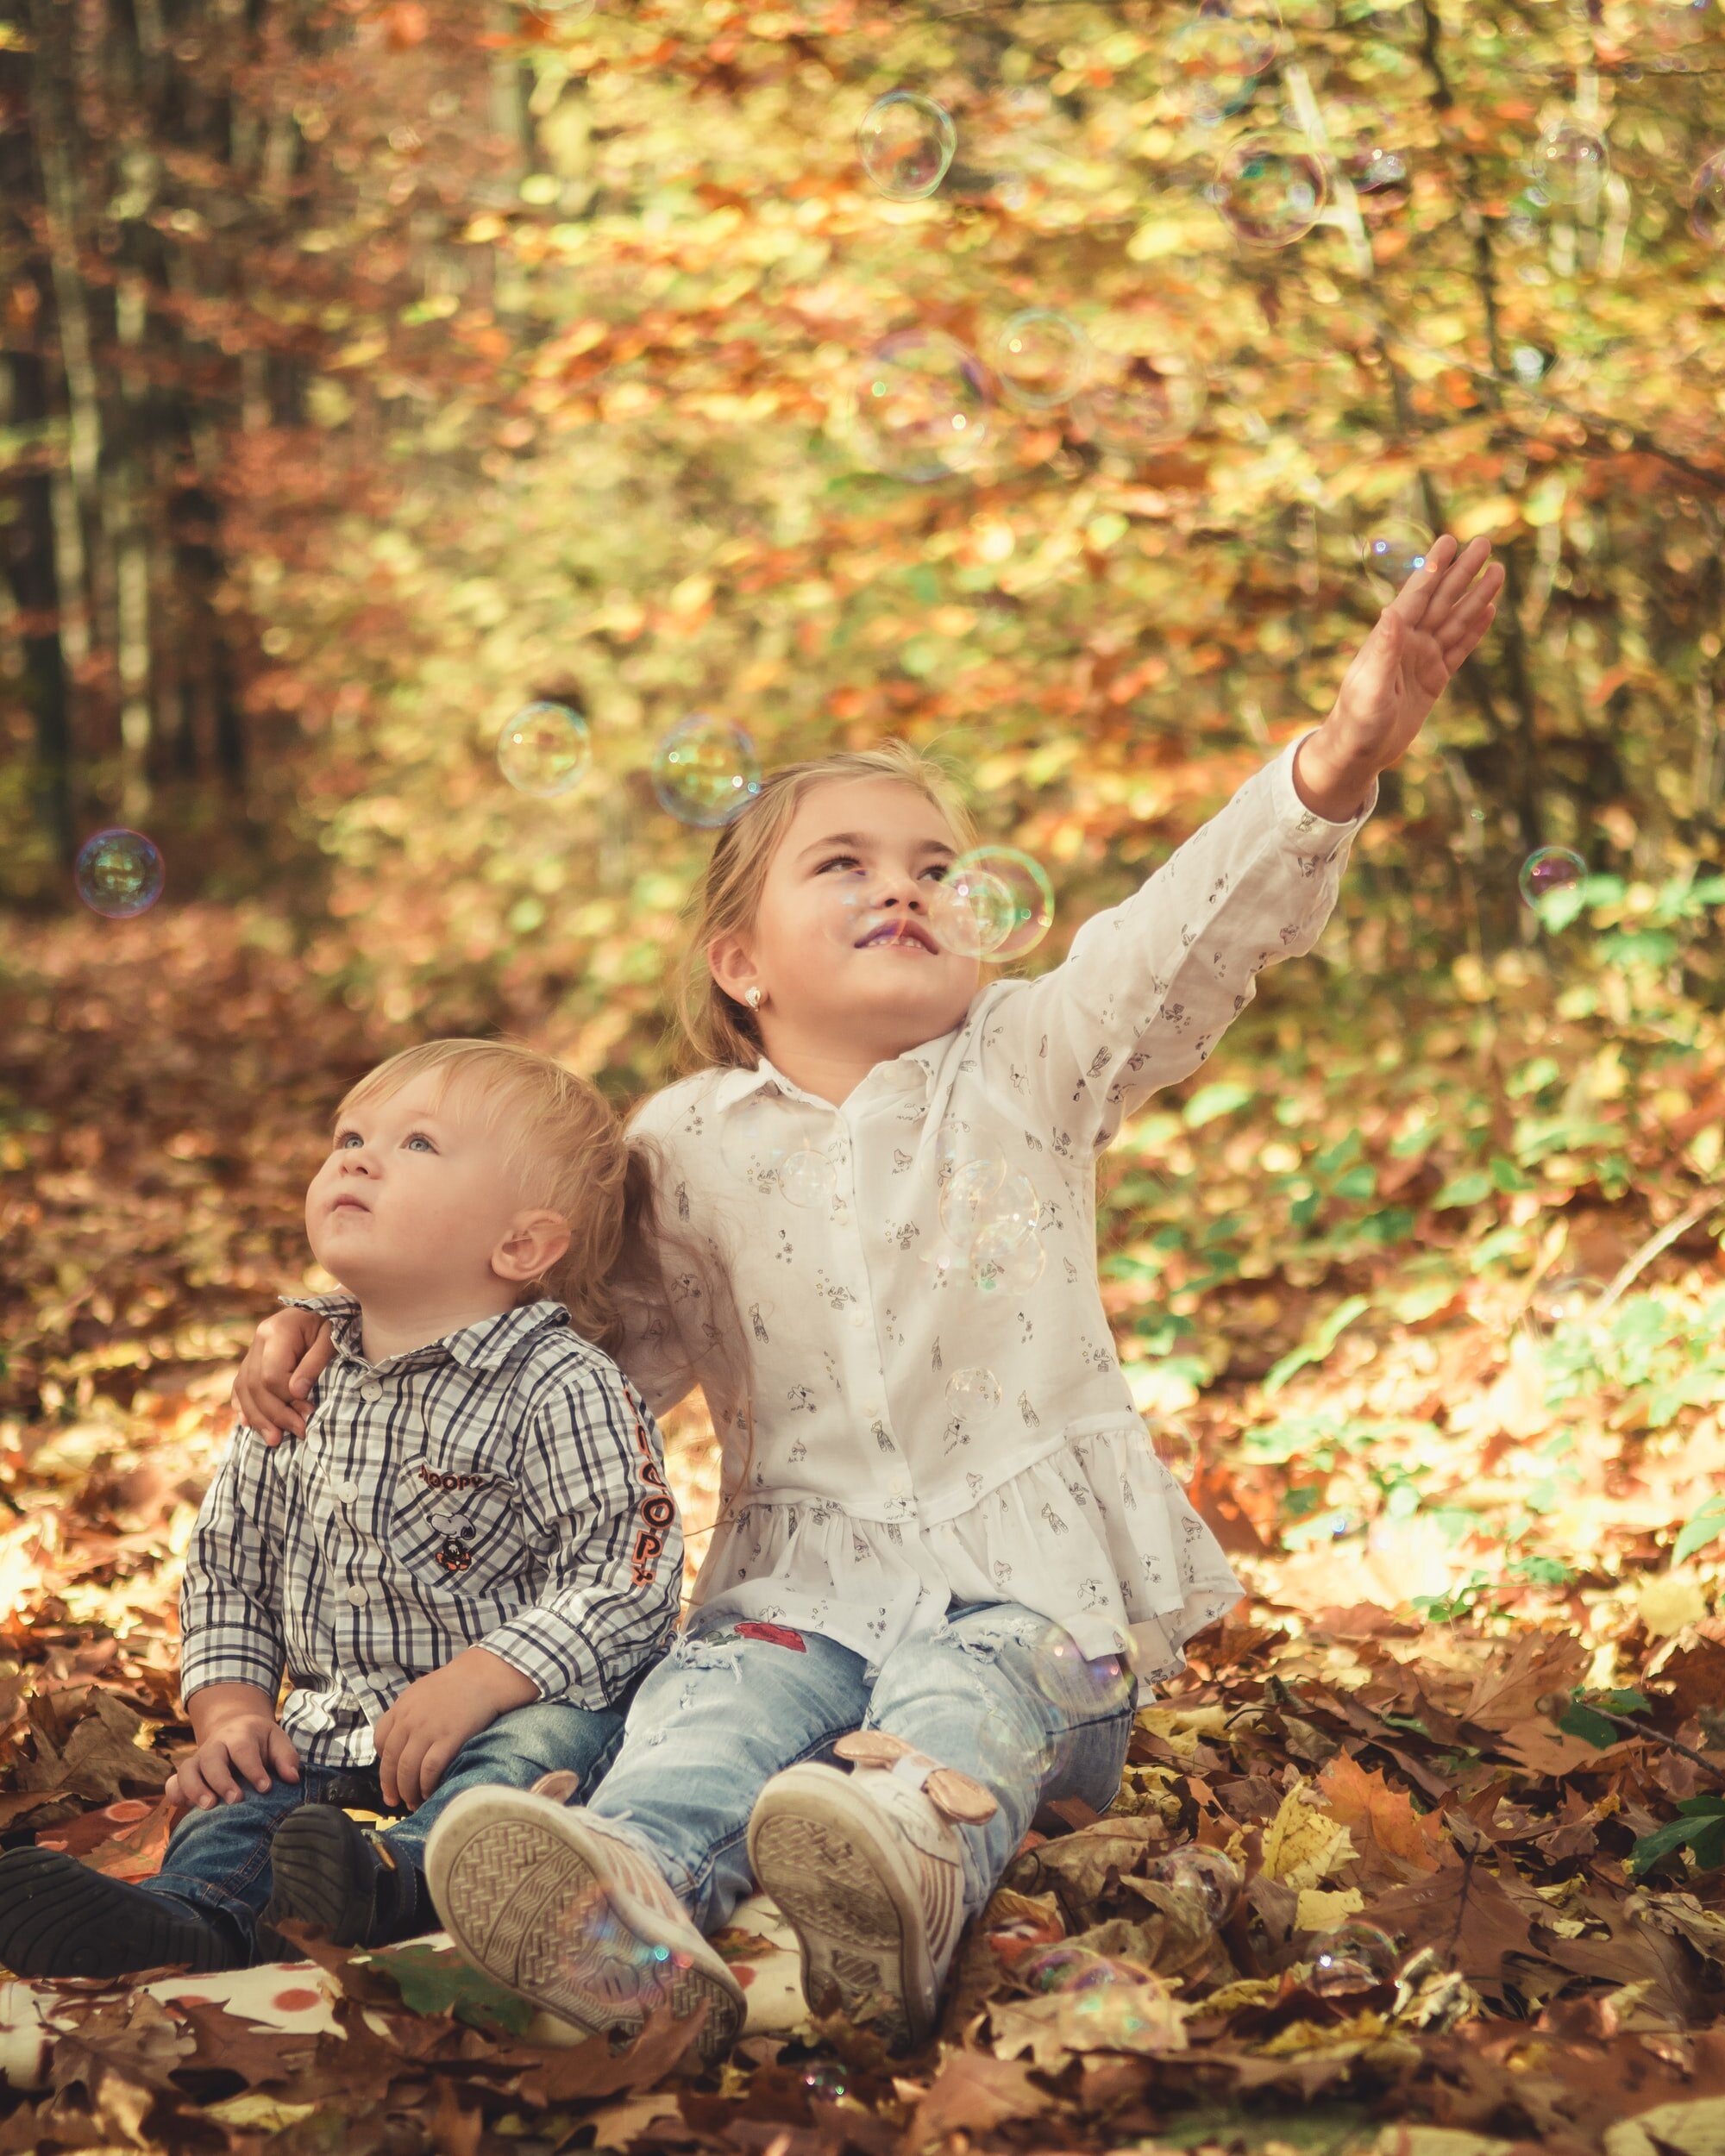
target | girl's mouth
[{"x": 902, "y": 932}]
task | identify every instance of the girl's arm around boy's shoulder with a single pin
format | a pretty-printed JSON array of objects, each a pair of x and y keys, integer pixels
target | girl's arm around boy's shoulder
[
  {"x": 590, "y": 1469},
  {"x": 1149, "y": 986}
]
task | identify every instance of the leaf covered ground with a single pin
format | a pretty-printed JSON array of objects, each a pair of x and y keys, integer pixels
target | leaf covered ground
[{"x": 1452, "y": 1452}]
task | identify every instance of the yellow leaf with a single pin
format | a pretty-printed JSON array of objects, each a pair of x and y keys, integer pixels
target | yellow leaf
[
  {"x": 1321, "y": 1910},
  {"x": 261, "y": 2113},
  {"x": 1694, "y": 2129},
  {"x": 1301, "y": 1845},
  {"x": 1669, "y": 1601},
  {"x": 1499, "y": 513}
]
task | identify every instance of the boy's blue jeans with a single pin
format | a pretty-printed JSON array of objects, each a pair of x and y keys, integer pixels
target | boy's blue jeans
[
  {"x": 735, "y": 1703},
  {"x": 219, "y": 1860}
]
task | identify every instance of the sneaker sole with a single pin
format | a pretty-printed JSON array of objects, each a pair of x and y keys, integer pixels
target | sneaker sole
[
  {"x": 58, "y": 1918},
  {"x": 838, "y": 1886},
  {"x": 518, "y": 1883},
  {"x": 313, "y": 1880}
]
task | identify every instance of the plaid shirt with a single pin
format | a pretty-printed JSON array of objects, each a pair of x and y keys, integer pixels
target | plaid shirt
[{"x": 503, "y": 1487}]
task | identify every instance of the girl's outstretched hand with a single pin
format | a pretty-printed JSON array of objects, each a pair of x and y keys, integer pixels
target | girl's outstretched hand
[{"x": 1414, "y": 652}]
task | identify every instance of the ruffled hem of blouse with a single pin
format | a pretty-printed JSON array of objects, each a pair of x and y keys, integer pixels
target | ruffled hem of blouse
[{"x": 1096, "y": 1535}]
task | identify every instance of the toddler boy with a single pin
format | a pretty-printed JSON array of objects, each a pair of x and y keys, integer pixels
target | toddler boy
[{"x": 463, "y": 1564}]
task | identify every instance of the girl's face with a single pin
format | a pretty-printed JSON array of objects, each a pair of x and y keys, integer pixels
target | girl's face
[{"x": 841, "y": 947}]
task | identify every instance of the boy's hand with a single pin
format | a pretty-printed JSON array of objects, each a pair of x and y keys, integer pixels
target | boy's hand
[
  {"x": 288, "y": 1352},
  {"x": 418, "y": 1736},
  {"x": 252, "y": 1745},
  {"x": 1415, "y": 649}
]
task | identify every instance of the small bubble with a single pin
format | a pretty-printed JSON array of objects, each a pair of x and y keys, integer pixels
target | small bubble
[
  {"x": 1215, "y": 60},
  {"x": 1075, "y": 1691},
  {"x": 972, "y": 913},
  {"x": 119, "y": 873},
  {"x": 1139, "y": 404},
  {"x": 752, "y": 1141},
  {"x": 1353, "y": 1958},
  {"x": 922, "y": 407},
  {"x": 1174, "y": 1445},
  {"x": 1210, "y": 1875},
  {"x": 1530, "y": 364},
  {"x": 1569, "y": 1299},
  {"x": 1707, "y": 203},
  {"x": 974, "y": 1391},
  {"x": 1006, "y": 1255},
  {"x": 906, "y": 143},
  {"x": 705, "y": 772},
  {"x": 545, "y": 750},
  {"x": 1395, "y": 549},
  {"x": 1041, "y": 359},
  {"x": 808, "y": 1178},
  {"x": 1270, "y": 193},
  {"x": 1029, "y": 892},
  {"x": 1568, "y": 163},
  {"x": 1551, "y": 882}
]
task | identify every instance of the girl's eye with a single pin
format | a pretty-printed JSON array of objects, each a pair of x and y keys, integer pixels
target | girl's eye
[
  {"x": 839, "y": 861},
  {"x": 939, "y": 870}
]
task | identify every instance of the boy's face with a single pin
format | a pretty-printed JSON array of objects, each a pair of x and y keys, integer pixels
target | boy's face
[{"x": 416, "y": 1198}]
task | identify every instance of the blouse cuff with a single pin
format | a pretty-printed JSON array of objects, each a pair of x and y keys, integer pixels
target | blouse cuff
[{"x": 1305, "y": 830}]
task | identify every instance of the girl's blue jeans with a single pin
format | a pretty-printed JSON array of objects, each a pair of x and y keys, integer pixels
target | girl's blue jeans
[
  {"x": 736, "y": 1702},
  {"x": 219, "y": 1860}
]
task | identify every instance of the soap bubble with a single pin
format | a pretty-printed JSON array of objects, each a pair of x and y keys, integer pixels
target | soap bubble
[
  {"x": 1395, "y": 549},
  {"x": 1365, "y": 138},
  {"x": 974, "y": 1391},
  {"x": 1353, "y": 1959},
  {"x": 1006, "y": 1255},
  {"x": 826, "y": 2082},
  {"x": 1215, "y": 60},
  {"x": 1530, "y": 363},
  {"x": 1269, "y": 192},
  {"x": 807, "y": 1178},
  {"x": 1174, "y": 1445},
  {"x": 752, "y": 1140},
  {"x": 545, "y": 750},
  {"x": 118, "y": 873},
  {"x": 1210, "y": 1875},
  {"x": 1571, "y": 1298},
  {"x": 1041, "y": 357},
  {"x": 1067, "y": 1967},
  {"x": 1549, "y": 878},
  {"x": 922, "y": 407},
  {"x": 1075, "y": 1691},
  {"x": 705, "y": 772},
  {"x": 1140, "y": 403},
  {"x": 972, "y": 1191},
  {"x": 906, "y": 143},
  {"x": 971, "y": 912},
  {"x": 1569, "y": 163},
  {"x": 1707, "y": 203},
  {"x": 977, "y": 878}
]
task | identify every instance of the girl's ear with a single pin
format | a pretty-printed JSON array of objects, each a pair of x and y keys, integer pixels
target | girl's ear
[{"x": 732, "y": 966}]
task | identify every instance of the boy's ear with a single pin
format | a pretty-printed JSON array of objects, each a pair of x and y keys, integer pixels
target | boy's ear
[
  {"x": 530, "y": 1246},
  {"x": 732, "y": 966}
]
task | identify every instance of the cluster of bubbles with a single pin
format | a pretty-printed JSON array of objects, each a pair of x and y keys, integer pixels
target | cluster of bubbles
[
  {"x": 705, "y": 771},
  {"x": 990, "y": 1220},
  {"x": 756, "y": 1148},
  {"x": 119, "y": 873}
]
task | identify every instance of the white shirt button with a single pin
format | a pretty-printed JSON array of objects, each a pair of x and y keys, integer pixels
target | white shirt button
[
  {"x": 346, "y": 1492},
  {"x": 874, "y": 1410},
  {"x": 370, "y": 1389},
  {"x": 358, "y": 1596},
  {"x": 859, "y": 1319}
]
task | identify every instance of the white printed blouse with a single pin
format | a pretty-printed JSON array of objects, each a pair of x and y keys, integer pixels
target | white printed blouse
[{"x": 929, "y": 1429}]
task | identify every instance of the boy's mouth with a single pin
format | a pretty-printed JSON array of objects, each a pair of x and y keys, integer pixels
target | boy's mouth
[
  {"x": 348, "y": 1203},
  {"x": 903, "y": 931}
]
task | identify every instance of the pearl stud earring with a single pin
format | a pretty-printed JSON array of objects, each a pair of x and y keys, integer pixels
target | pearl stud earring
[{"x": 752, "y": 998}]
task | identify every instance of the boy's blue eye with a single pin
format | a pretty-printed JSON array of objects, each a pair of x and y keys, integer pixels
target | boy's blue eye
[
  {"x": 418, "y": 1137},
  {"x": 348, "y": 1139}
]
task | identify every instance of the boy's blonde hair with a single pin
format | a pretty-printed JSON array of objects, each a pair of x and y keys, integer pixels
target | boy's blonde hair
[
  {"x": 565, "y": 1142},
  {"x": 716, "y": 1029}
]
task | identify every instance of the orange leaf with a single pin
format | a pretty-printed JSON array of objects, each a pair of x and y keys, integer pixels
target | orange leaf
[{"x": 1391, "y": 1838}]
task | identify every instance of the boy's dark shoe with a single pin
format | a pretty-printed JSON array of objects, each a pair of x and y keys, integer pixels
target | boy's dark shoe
[
  {"x": 329, "y": 1873},
  {"x": 58, "y": 1918}
]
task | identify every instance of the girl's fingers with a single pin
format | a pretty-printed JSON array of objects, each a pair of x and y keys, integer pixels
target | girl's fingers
[{"x": 312, "y": 1364}]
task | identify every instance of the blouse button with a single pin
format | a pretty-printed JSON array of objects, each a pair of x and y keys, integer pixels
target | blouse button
[{"x": 358, "y": 1596}]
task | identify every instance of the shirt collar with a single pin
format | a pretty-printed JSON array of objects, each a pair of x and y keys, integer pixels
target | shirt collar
[
  {"x": 483, "y": 1346},
  {"x": 916, "y": 1066}
]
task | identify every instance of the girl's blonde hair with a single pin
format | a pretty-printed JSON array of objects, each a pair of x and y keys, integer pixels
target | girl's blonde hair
[
  {"x": 717, "y": 1030},
  {"x": 566, "y": 1143}
]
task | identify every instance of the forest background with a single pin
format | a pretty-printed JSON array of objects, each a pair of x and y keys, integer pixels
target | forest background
[{"x": 371, "y": 369}]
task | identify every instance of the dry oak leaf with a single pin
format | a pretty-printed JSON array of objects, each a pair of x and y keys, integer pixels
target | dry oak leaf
[
  {"x": 1303, "y": 1844},
  {"x": 975, "y": 2092},
  {"x": 1123, "y": 2017},
  {"x": 1464, "y": 1912},
  {"x": 1392, "y": 1840},
  {"x": 1502, "y": 1697},
  {"x": 1671, "y": 2129}
]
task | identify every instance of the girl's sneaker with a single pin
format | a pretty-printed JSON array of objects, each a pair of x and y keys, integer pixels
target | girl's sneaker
[
  {"x": 571, "y": 1915},
  {"x": 866, "y": 1870}
]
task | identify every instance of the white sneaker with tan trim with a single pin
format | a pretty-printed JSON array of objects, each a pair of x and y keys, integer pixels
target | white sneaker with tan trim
[
  {"x": 570, "y": 1915},
  {"x": 866, "y": 1870}
]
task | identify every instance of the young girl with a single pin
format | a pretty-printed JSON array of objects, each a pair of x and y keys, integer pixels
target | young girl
[{"x": 948, "y": 1556}]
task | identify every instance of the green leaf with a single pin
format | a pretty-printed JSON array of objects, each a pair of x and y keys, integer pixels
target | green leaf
[
  {"x": 1463, "y": 1190},
  {"x": 1211, "y": 1101},
  {"x": 1315, "y": 1349},
  {"x": 436, "y": 1980},
  {"x": 1581, "y": 1721},
  {"x": 1707, "y": 1525},
  {"x": 1701, "y": 1829}
]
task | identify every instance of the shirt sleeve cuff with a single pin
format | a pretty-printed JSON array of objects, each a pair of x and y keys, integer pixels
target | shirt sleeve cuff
[
  {"x": 231, "y": 1658},
  {"x": 1304, "y": 829},
  {"x": 554, "y": 1653}
]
